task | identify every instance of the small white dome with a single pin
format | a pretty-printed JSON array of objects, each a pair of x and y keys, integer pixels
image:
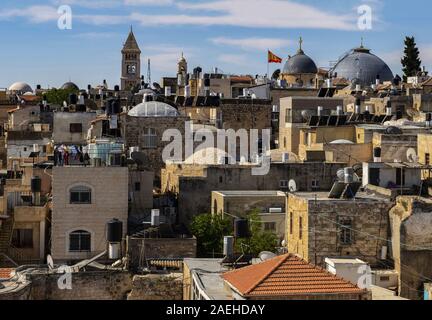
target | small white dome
[
  {"x": 20, "y": 87},
  {"x": 208, "y": 156},
  {"x": 153, "y": 109},
  {"x": 342, "y": 141}
]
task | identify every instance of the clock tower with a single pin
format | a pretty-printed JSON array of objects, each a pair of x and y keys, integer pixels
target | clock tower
[{"x": 131, "y": 63}]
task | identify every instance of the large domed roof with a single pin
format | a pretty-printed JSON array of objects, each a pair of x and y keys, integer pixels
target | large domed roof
[
  {"x": 153, "y": 109},
  {"x": 70, "y": 86},
  {"x": 362, "y": 67},
  {"x": 20, "y": 87},
  {"x": 300, "y": 63}
]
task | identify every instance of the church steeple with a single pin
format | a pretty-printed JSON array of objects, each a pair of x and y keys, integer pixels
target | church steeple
[{"x": 131, "y": 62}]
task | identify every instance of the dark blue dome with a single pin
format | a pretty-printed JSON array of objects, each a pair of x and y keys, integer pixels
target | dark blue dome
[
  {"x": 300, "y": 63},
  {"x": 362, "y": 67}
]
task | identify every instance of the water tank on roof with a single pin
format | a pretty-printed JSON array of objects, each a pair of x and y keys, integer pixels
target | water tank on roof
[
  {"x": 36, "y": 184},
  {"x": 114, "y": 230},
  {"x": 241, "y": 228}
]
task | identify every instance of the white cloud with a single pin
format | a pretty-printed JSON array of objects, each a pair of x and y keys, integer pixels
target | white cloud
[
  {"x": 148, "y": 2},
  {"x": 253, "y": 43},
  {"x": 234, "y": 59},
  {"x": 36, "y": 14}
]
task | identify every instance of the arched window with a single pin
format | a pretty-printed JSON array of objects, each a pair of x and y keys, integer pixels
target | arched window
[
  {"x": 80, "y": 241},
  {"x": 80, "y": 195}
]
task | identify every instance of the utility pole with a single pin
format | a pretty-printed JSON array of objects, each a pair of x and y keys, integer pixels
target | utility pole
[{"x": 149, "y": 73}]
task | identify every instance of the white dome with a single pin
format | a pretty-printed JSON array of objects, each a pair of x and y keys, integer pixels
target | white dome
[
  {"x": 20, "y": 87},
  {"x": 208, "y": 156},
  {"x": 153, "y": 109},
  {"x": 342, "y": 141}
]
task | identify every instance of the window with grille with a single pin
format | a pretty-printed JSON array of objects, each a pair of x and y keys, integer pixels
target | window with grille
[
  {"x": 150, "y": 138},
  {"x": 346, "y": 236},
  {"x": 80, "y": 195},
  {"x": 80, "y": 241},
  {"x": 269, "y": 226},
  {"x": 22, "y": 238}
]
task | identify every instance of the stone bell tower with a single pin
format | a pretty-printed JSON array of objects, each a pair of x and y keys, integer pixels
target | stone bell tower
[{"x": 131, "y": 63}]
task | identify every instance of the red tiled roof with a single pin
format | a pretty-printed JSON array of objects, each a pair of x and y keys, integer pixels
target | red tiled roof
[
  {"x": 5, "y": 273},
  {"x": 287, "y": 275}
]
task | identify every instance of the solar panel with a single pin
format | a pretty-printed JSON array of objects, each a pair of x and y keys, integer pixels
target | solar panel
[
  {"x": 337, "y": 190},
  {"x": 323, "y": 120},
  {"x": 322, "y": 92},
  {"x": 342, "y": 120},
  {"x": 179, "y": 100},
  {"x": 351, "y": 190},
  {"x": 332, "y": 121},
  {"x": 189, "y": 101},
  {"x": 313, "y": 121}
]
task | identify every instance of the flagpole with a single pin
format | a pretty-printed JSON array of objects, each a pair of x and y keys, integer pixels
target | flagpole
[{"x": 268, "y": 65}]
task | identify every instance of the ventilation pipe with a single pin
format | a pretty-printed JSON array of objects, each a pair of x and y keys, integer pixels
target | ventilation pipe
[
  {"x": 114, "y": 238},
  {"x": 320, "y": 111},
  {"x": 155, "y": 217},
  {"x": 339, "y": 111},
  {"x": 377, "y": 154},
  {"x": 228, "y": 246}
]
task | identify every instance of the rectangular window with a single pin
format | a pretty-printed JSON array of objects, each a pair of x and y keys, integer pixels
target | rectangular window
[
  {"x": 150, "y": 138},
  {"x": 283, "y": 184},
  {"x": 269, "y": 226},
  {"x": 300, "y": 228},
  {"x": 315, "y": 184},
  {"x": 75, "y": 128},
  {"x": 137, "y": 186},
  {"x": 288, "y": 115},
  {"x": 80, "y": 241},
  {"x": 22, "y": 238},
  {"x": 291, "y": 223},
  {"x": 427, "y": 159},
  {"x": 80, "y": 196},
  {"x": 346, "y": 236},
  {"x": 384, "y": 278}
]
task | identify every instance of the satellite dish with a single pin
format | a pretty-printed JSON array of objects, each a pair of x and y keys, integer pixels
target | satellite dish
[
  {"x": 50, "y": 262},
  {"x": 411, "y": 155},
  {"x": 283, "y": 243},
  {"x": 292, "y": 186},
  {"x": 266, "y": 255}
]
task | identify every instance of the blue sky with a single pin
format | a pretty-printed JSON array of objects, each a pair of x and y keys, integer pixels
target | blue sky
[{"x": 232, "y": 35}]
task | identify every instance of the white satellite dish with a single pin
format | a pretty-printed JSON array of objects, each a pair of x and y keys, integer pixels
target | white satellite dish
[
  {"x": 266, "y": 255},
  {"x": 292, "y": 186},
  {"x": 411, "y": 155},
  {"x": 50, "y": 262},
  {"x": 283, "y": 243}
]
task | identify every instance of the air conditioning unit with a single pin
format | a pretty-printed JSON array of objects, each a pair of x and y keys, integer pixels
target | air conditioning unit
[{"x": 275, "y": 210}]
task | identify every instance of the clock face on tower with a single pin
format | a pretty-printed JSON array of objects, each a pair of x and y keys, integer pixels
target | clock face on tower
[{"x": 131, "y": 69}]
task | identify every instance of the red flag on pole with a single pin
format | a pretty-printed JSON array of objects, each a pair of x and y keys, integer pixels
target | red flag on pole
[{"x": 272, "y": 58}]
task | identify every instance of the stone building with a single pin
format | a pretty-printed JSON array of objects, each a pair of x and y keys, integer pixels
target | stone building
[
  {"x": 84, "y": 200},
  {"x": 194, "y": 184},
  {"x": 293, "y": 116},
  {"x": 270, "y": 206},
  {"x": 411, "y": 226},
  {"x": 144, "y": 127},
  {"x": 71, "y": 128},
  {"x": 318, "y": 227}
]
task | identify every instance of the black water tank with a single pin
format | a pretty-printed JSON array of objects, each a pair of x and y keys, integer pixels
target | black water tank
[
  {"x": 206, "y": 82},
  {"x": 114, "y": 230},
  {"x": 108, "y": 107},
  {"x": 36, "y": 184},
  {"x": 241, "y": 228},
  {"x": 357, "y": 102},
  {"x": 115, "y": 107},
  {"x": 377, "y": 152},
  {"x": 116, "y": 88},
  {"x": 73, "y": 98}
]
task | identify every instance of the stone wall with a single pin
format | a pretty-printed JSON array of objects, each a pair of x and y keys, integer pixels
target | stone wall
[
  {"x": 157, "y": 287},
  {"x": 168, "y": 248}
]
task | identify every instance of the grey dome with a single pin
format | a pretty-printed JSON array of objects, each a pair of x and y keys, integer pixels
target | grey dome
[
  {"x": 362, "y": 67},
  {"x": 69, "y": 86},
  {"x": 300, "y": 63},
  {"x": 20, "y": 87},
  {"x": 153, "y": 109}
]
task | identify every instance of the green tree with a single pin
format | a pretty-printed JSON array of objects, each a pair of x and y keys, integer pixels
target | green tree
[
  {"x": 259, "y": 240},
  {"x": 411, "y": 61},
  {"x": 209, "y": 230},
  {"x": 57, "y": 96}
]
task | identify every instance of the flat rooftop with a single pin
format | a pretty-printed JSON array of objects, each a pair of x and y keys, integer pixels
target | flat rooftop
[
  {"x": 208, "y": 272},
  {"x": 252, "y": 193},
  {"x": 323, "y": 196}
]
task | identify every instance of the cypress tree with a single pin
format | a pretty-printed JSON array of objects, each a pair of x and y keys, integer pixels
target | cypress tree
[{"x": 411, "y": 61}]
